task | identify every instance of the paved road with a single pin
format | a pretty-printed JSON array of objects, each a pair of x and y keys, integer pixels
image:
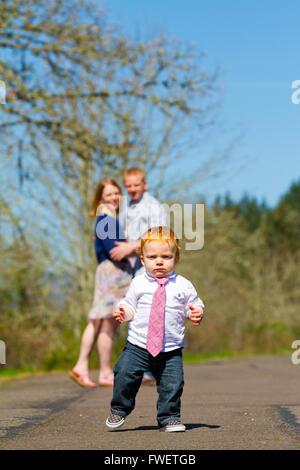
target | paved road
[{"x": 237, "y": 404}]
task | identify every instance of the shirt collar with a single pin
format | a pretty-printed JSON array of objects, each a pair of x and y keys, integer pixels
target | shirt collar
[
  {"x": 133, "y": 203},
  {"x": 171, "y": 276}
]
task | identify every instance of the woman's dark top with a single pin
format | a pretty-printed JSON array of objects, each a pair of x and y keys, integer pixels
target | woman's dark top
[{"x": 107, "y": 231}]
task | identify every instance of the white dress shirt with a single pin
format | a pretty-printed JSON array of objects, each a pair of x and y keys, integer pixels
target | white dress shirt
[
  {"x": 137, "y": 218},
  {"x": 180, "y": 293}
]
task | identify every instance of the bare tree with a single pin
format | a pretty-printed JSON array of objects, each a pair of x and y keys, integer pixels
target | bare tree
[{"x": 85, "y": 101}]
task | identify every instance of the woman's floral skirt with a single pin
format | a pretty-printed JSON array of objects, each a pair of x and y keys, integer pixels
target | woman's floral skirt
[{"x": 111, "y": 283}]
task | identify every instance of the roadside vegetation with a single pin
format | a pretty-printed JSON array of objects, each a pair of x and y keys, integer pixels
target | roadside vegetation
[{"x": 85, "y": 101}]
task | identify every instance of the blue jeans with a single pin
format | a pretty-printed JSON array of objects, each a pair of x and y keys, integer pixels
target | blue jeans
[{"x": 168, "y": 371}]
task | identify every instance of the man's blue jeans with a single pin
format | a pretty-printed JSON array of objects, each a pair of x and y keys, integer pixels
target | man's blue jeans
[{"x": 168, "y": 371}]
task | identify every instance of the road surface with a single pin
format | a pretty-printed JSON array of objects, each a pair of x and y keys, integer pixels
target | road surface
[{"x": 242, "y": 404}]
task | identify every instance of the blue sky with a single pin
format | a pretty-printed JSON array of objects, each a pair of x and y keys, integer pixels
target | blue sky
[{"x": 256, "y": 45}]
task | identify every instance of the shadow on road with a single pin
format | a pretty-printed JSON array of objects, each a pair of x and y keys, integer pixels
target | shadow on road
[
  {"x": 188, "y": 427},
  {"x": 199, "y": 425}
]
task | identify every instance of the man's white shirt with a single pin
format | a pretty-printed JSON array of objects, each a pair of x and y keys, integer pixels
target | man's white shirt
[
  {"x": 138, "y": 217},
  {"x": 142, "y": 215}
]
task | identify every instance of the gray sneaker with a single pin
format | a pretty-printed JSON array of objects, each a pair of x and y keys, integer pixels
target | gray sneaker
[
  {"x": 115, "y": 421},
  {"x": 173, "y": 426}
]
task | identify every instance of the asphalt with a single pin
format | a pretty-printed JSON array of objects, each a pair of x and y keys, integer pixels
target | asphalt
[{"x": 237, "y": 404}]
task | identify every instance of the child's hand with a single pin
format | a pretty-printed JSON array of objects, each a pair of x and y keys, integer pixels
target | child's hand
[
  {"x": 119, "y": 315},
  {"x": 195, "y": 314},
  {"x": 123, "y": 313}
]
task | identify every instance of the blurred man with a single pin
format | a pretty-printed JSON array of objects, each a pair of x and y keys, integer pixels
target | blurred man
[{"x": 142, "y": 213}]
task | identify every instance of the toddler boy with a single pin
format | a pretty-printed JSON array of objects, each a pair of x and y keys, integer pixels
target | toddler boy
[{"x": 156, "y": 305}]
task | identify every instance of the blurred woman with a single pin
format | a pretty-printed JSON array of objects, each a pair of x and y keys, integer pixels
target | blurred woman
[{"x": 111, "y": 282}]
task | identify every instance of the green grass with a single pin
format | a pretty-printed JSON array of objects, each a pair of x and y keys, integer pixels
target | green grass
[
  {"x": 7, "y": 374},
  {"x": 189, "y": 357}
]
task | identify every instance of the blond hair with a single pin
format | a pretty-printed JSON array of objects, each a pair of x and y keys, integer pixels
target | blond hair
[
  {"x": 134, "y": 171},
  {"x": 159, "y": 234}
]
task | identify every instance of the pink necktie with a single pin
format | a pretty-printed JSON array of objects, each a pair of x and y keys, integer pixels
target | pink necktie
[{"x": 155, "y": 336}]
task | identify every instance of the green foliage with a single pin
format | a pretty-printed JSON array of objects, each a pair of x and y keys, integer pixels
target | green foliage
[
  {"x": 249, "y": 277},
  {"x": 85, "y": 101},
  {"x": 250, "y": 287},
  {"x": 247, "y": 209}
]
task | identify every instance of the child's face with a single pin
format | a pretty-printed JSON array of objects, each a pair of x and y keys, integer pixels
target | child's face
[
  {"x": 135, "y": 186},
  {"x": 159, "y": 258}
]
